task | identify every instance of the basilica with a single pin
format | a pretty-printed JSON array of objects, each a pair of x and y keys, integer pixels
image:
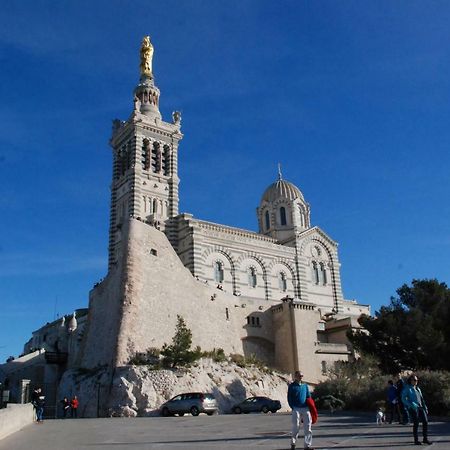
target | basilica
[
  {"x": 274, "y": 295},
  {"x": 284, "y": 279}
]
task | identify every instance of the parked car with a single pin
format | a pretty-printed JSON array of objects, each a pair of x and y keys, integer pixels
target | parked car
[
  {"x": 192, "y": 402},
  {"x": 257, "y": 404}
]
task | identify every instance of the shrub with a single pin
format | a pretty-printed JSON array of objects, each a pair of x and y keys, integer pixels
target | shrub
[
  {"x": 367, "y": 392},
  {"x": 329, "y": 402},
  {"x": 178, "y": 353},
  {"x": 217, "y": 355},
  {"x": 435, "y": 386},
  {"x": 238, "y": 359},
  {"x": 150, "y": 357}
]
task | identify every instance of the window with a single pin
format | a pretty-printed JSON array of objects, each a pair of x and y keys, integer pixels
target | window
[
  {"x": 253, "y": 321},
  {"x": 218, "y": 272},
  {"x": 283, "y": 215},
  {"x": 323, "y": 271},
  {"x": 252, "y": 277},
  {"x": 146, "y": 154},
  {"x": 282, "y": 283},
  {"x": 324, "y": 367},
  {"x": 267, "y": 217},
  {"x": 166, "y": 161},
  {"x": 156, "y": 158},
  {"x": 315, "y": 273}
]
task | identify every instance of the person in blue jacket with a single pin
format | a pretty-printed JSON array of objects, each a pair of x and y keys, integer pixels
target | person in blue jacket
[
  {"x": 393, "y": 402},
  {"x": 298, "y": 392},
  {"x": 413, "y": 399}
]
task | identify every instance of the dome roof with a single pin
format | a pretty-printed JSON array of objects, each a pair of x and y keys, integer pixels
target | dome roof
[{"x": 281, "y": 189}]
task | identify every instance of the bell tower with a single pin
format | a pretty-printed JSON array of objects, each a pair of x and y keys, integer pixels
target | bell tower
[{"x": 145, "y": 160}]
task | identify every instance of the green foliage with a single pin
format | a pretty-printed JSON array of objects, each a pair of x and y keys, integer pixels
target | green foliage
[
  {"x": 149, "y": 357},
  {"x": 178, "y": 353},
  {"x": 412, "y": 332},
  {"x": 355, "y": 385},
  {"x": 359, "y": 385},
  {"x": 329, "y": 402},
  {"x": 435, "y": 387},
  {"x": 217, "y": 355},
  {"x": 249, "y": 361},
  {"x": 238, "y": 359}
]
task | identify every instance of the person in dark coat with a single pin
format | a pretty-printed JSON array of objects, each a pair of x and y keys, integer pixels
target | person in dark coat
[
  {"x": 66, "y": 407},
  {"x": 393, "y": 406},
  {"x": 38, "y": 401}
]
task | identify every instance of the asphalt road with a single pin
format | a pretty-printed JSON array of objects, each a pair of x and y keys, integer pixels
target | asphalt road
[{"x": 230, "y": 432}]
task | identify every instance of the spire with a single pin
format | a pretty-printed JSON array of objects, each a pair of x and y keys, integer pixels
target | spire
[
  {"x": 280, "y": 176},
  {"x": 146, "y": 94}
]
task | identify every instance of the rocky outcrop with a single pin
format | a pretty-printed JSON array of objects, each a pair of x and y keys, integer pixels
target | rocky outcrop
[{"x": 139, "y": 391}]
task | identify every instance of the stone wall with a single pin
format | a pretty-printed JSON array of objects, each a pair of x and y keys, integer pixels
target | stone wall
[
  {"x": 136, "y": 306},
  {"x": 14, "y": 417}
]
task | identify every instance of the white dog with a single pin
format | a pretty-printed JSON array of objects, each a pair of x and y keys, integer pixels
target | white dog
[{"x": 380, "y": 417}]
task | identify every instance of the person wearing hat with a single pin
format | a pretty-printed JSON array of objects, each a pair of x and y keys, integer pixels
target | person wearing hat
[{"x": 298, "y": 393}]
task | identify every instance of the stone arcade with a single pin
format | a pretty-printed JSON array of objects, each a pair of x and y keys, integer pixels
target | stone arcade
[{"x": 275, "y": 293}]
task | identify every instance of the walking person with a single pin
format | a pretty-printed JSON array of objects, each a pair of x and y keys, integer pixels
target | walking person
[
  {"x": 74, "y": 406},
  {"x": 66, "y": 407},
  {"x": 400, "y": 385},
  {"x": 413, "y": 399},
  {"x": 393, "y": 402},
  {"x": 38, "y": 401},
  {"x": 298, "y": 393}
]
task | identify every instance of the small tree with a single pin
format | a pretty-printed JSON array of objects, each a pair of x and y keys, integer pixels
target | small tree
[{"x": 179, "y": 353}]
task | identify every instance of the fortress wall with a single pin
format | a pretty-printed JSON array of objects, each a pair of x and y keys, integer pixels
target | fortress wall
[
  {"x": 284, "y": 345},
  {"x": 105, "y": 307},
  {"x": 158, "y": 287},
  {"x": 306, "y": 321}
]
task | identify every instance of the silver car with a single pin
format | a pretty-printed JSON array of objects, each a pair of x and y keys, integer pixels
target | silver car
[{"x": 192, "y": 402}]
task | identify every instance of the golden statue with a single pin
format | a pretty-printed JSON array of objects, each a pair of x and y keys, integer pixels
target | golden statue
[{"x": 146, "y": 56}]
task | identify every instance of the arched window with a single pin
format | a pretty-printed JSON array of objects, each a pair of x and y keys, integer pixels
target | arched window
[
  {"x": 323, "y": 271},
  {"x": 218, "y": 272},
  {"x": 146, "y": 154},
  {"x": 282, "y": 283},
  {"x": 283, "y": 216},
  {"x": 315, "y": 272},
  {"x": 166, "y": 161},
  {"x": 252, "y": 277},
  {"x": 267, "y": 220},
  {"x": 156, "y": 157}
]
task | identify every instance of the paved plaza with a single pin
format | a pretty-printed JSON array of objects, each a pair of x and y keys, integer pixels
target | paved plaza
[{"x": 229, "y": 432}]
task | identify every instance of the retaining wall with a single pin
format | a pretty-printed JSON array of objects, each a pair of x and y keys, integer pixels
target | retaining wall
[{"x": 15, "y": 417}]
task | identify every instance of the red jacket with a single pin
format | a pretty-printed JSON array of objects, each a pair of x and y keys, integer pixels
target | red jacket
[
  {"x": 312, "y": 409},
  {"x": 74, "y": 403}
]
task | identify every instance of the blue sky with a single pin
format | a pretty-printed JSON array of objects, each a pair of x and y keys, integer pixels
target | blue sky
[{"x": 352, "y": 98}]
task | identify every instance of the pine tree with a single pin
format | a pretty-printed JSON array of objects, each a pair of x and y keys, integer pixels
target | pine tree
[{"x": 179, "y": 352}]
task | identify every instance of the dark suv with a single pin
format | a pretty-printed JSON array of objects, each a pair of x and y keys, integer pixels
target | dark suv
[{"x": 192, "y": 402}]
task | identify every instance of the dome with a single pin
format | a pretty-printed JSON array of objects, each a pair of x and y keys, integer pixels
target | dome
[{"x": 281, "y": 189}]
